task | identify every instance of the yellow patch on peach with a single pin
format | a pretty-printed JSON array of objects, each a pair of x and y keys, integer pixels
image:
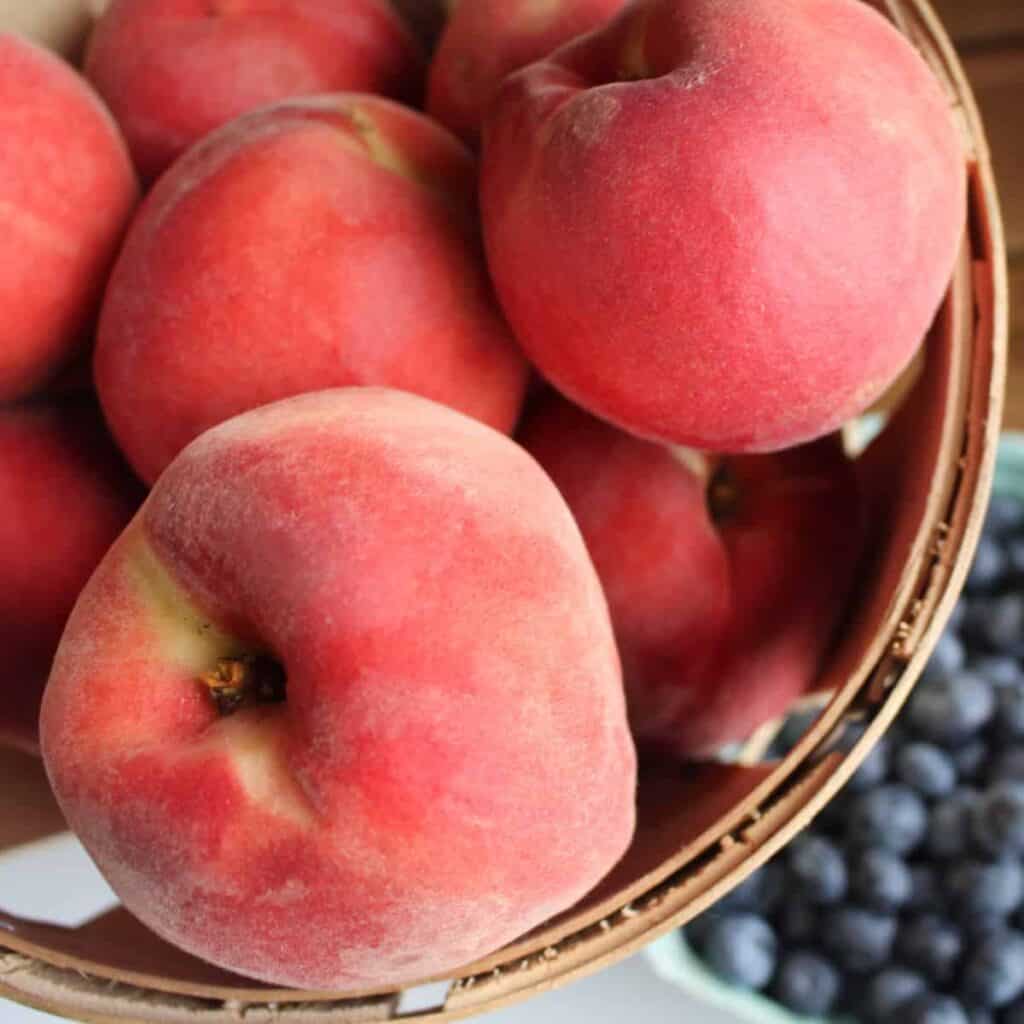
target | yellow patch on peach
[
  {"x": 698, "y": 463},
  {"x": 360, "y": 132},
  {"x": 538, "y": 12},
  {"x": 381, "y": 151},
  {"x": 187, "y": 638},
  {"x": 253, "y": 740}
]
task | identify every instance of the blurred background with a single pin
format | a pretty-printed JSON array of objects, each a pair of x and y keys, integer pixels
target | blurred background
[{"x": 989, "y": 34}]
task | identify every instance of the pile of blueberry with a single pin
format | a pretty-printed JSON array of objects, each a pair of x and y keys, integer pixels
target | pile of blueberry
[{"x": 905, "y": 900}]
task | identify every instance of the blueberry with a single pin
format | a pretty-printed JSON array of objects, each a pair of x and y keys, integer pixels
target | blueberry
[
  {"x": 1005, "y": 516},
  {"x": 949, "y": 825},
  {"x": 958, "y": 616},
  {"x": 760, "y": 892},
  {"x": 989, "y": 568},
  {"x": 978, "y": 1016},
  {"x": 925, "y": 892},
  {"x": 833, "y": 818},
  {"x": 951, "y": 709},
  {"x": 860, "y": 940},
  {"x": 997, "y": 819},
  {"x": 998, "y": 669},
  {"x": 817, "y": 870},
  {"x": 853, "y": 732},
  {"x": 935, "y": 1009},
  {"x": 948, "y": 657},
  {"x": 1015, "y": 557},
  {"x": 1008, "y": 765},
  {"x": 976, "y": 927},
  {"x": 797, "y": 921},
  {"x": 889, "y": 992},
  {"x": 742, "y": 950},
  {"x": 1009, "y": 718},
  {"x": 970, "y": 760},
  {"x": 696, "y": 931},
  {"x": 993, "y": 975},
  {"x": 881, "y": 880},
  {"x": 746, "y": 895},
  {"x": 974, "y": 627},
  {"x": 1003, "y": 626},
  {"x": 892, "y": 816},
  {"x": 927, "y": 769},
  {"x": 774, "y": 886},
  {"x": 807, "y": 984},
  {"x": 932, "y": 945},
  {"x": 873, "y": 770},
  {"x": 986, "y": 887}
]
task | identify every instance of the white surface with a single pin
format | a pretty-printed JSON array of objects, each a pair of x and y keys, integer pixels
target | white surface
[
  {"x": 55, "y": 880},
  {"x": 627, "y": 993}
]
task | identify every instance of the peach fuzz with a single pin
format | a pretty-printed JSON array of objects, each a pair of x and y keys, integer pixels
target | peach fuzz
[
  {"x": 485, "y": 40},
  {"x": 319, "y": 243},
  {"x": 67, "y": 190},
  {"x": 725, "y": 577},
  {"x": 443, "y": 760},
  {"x": 66, "y": 496},
  {"x": 174, "y": 70},
  {"x": 724, "y": 224}
]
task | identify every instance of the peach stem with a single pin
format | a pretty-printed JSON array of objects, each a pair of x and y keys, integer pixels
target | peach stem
[{"x": 248, "y": 679}]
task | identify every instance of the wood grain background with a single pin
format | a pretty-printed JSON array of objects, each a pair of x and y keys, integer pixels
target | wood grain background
[{"x": 990, "y": 37}]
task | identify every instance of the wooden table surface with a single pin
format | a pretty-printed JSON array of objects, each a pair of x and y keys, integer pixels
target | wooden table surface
[{"x": 990, "y": 37}]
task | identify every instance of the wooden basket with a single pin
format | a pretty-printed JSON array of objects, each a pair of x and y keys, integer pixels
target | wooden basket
[{"x": 701, "y": 829}]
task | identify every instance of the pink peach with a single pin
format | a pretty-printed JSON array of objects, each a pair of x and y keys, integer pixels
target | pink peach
[
  {"x": 173, "y": 70},
  {"x": 66, "y": 496},
  {"x": 67, "y": 190},
  {"x": 724, "y": 225},
  {"x": 725, "y": 577},
  {"x": 319, "y": 243},
  {"x": 342, "y": 708},
  {"x": 485, "y": 40}
]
